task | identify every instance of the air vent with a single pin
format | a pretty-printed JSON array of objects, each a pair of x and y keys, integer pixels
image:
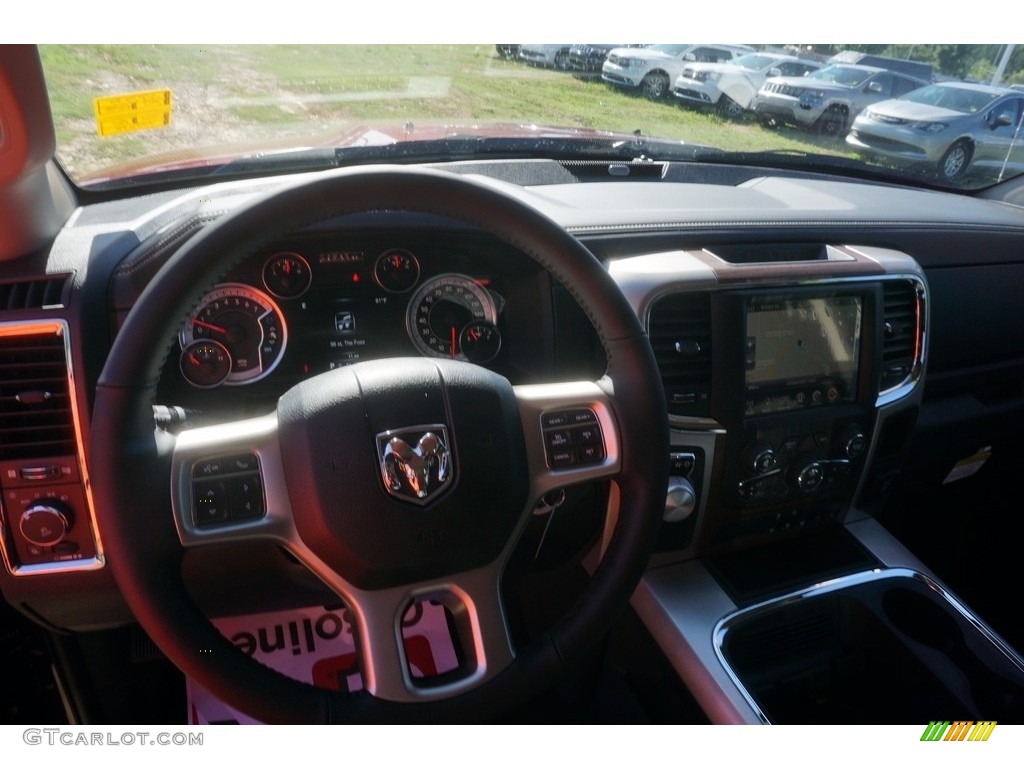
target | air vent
[
  {"x": 766, "y": 253},
  {"x": 901, "y": 334},
  {"x": 33, "y": 294},
  {"x": 592, "y": 170},
  {"x": 35, "y": 409},
  {"x": 679, "y": 327}
]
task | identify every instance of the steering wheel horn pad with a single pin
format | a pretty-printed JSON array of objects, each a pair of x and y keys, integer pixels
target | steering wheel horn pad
[{"x": 328, "y": 428}]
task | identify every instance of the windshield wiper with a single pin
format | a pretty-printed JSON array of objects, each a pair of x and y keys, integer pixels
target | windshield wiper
[{"x": 459, "y": 147}]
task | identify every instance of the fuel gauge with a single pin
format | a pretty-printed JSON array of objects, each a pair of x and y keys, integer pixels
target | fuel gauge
[{"x": 205, "y": 364}]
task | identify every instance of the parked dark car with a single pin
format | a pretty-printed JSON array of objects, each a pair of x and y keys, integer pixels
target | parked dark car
[{"x": 589, "y": 58}]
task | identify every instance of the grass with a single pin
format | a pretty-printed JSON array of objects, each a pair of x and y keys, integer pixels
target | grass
[{"x": 225, "y": 95}]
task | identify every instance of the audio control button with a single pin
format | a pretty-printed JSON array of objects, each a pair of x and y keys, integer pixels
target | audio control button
[{"x": 209, "y": 502}]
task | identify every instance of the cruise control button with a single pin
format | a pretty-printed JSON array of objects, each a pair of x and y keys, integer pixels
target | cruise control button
[
  {"x": 559, "y": 459},
  {"x": 588, "y": 435},
  {"x": 590, "y": 454},
  {"x": 558, "y": 438}
]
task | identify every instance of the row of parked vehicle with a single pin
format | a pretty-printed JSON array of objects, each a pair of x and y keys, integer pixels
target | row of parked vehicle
[{"x": 889, "y": 110}]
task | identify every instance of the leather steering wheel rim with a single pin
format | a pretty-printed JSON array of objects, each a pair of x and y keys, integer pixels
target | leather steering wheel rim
[{"x": 126, "y": 452}]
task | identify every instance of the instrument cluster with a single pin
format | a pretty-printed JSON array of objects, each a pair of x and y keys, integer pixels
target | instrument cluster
[{"x": 319, "y": 302}]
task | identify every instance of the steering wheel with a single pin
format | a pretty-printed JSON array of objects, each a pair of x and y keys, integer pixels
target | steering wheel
[{"x": 388, "y": 480}]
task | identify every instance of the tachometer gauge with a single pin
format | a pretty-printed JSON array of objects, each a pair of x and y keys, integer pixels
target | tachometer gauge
[
  {"x": 205, "y": 364},
  {"x": 247, "y": 323},
  {"x": 440, "y": 310}
]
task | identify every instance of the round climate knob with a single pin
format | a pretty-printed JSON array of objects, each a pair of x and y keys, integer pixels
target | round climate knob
[
  {"x": 680, "y": 501},
  {"x": 759, "y": 458},
  {"x": 852, "y": 442},
  {"x": 45, "y": 523},
  {"x": 806, "y": 475}
]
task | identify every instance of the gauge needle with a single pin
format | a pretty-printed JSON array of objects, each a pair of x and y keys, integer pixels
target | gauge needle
[
  {"x": 453, "y": 342},
  {"x": 212, "y": 327},
  {"x": 195, "y": 360}
]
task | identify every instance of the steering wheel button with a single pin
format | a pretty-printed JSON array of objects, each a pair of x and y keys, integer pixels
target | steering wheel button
[
  {"x": 244, "y": 462},
  {"x": 558, "y": 438},
  {"x": 210, "y": 468},
  {"x": 587, "y": 436},
  {"x": 246, "y": 497},
  {"x": 561, "y": 458},
  {"x": 583, "y": 416},
  {"x": 209, "y": 502},
  {"x": 553, "y": 420},
  {"x": 591, "y": 454}
]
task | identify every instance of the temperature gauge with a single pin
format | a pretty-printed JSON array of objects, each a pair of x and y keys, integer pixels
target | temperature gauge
[
  {"x": 480, "y": 341},
  {"x": 205, "y": 364}
]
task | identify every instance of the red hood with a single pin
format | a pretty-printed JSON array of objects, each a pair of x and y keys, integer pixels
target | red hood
[{"x": 361, "y": 136}]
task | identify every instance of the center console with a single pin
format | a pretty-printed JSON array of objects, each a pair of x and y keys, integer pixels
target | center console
[
  {"x": 793, "y": 379},
  {"x": 787, "y": 378}
]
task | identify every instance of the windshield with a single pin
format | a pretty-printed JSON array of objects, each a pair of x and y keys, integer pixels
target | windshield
[
  {"x": 671, "y": 50},
  {"x": 842, "y": 75},
  {"x": 138, "y": 114},
  {"x": 963, "y": 100},
  {"x": 754, "y": 62}
]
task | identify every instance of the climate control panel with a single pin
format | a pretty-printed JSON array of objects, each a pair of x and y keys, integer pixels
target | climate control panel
[
  {"x": 44, "y": 513},
  {"x": 782, "y": 464}
]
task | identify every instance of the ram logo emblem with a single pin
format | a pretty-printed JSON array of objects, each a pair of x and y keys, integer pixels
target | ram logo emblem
[{"x": 415, "y": 462}]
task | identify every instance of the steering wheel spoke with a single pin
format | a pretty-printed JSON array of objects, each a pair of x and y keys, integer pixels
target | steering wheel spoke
[
  {"x": 469, "y": 645},
  {"x": 571, "y": 434},
  {"x": 228, "y": 484}
]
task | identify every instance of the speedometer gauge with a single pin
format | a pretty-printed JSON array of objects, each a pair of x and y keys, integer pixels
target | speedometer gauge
[
  {"x": 440, "y": 310},
  {"x": 247, "y": 323}
]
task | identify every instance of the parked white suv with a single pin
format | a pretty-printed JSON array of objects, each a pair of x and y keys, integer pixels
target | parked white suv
[
  {"x": 653, "y": 69},
  {"x": 731, "y": 87}
]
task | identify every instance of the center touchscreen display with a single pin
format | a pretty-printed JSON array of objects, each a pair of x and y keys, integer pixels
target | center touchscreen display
[{"x": 801, "y": 352}]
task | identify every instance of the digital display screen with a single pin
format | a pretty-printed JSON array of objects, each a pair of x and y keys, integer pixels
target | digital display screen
[{"x": 801, "y": 352}]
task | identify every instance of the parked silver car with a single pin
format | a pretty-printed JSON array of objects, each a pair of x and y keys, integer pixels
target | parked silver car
[
  {"x": 952, "y": 127},
  {"x": 732, "y": 87},
  {"x": 829, "y": 99},
  {"x": 653, "y": 69}
]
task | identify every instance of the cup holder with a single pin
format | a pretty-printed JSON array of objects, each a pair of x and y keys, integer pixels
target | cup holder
[{"x": 888, "y": 647}]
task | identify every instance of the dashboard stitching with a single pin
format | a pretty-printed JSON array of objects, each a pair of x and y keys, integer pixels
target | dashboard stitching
[{"x": 887, "y": 225}]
